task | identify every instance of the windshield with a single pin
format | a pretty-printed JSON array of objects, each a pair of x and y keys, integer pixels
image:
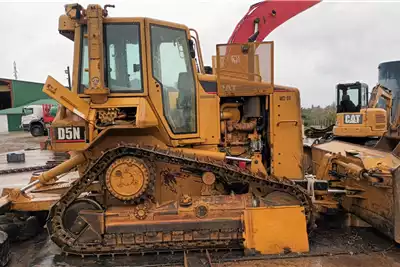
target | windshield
[
  {"x": 122, "y": 53},
  {"x": 27, "y": 111},
  {"x": 349, "y": 98}
]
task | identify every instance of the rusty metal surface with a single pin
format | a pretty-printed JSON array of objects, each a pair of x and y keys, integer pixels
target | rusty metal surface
[
  {"x": 342, "y": 147},
  {"x": 111, "y": 244}
]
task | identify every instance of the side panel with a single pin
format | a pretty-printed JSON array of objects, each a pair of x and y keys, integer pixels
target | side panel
[
  {"x": 286, "y": 134},
  {"x": 210, "y": 129},
  {"x": 3, "y": 123},
  {"x": 272, "y": 230},
  {"x": 367, "y": 123}
]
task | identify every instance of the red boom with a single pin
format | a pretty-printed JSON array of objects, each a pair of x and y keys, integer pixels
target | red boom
[{"x": 271, "y": 14}]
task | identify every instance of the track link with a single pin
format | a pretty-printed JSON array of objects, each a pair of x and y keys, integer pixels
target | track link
[{"x": 228, "y": 173}]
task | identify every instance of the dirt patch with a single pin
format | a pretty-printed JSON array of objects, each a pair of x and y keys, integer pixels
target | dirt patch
[
  {"x": 339, "y": 247},
  {"x": 19, "y": 141}
]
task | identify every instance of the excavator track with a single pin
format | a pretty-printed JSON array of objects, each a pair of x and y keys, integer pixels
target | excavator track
[{"x": 229, "y": 173}]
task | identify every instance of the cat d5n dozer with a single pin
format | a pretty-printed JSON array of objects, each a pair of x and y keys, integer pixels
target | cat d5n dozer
[{"x": 171, "y": 158}]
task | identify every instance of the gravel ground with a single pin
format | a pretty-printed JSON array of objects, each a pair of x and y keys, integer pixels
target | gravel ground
[{"x": 19, "y": 141}]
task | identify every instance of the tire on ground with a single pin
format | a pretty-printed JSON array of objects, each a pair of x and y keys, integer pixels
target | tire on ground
[
  {"x": 37, "y": 130},
  {"x": 5, "y": 252},
  {"x": 20, "y": 229}
]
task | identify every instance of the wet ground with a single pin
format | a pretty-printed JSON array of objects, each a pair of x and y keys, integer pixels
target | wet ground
[
  {"x": 336, "y": 248},
  {"x": 330, "y": 248},
  {"x": 18, "y": 141},
  {"x": 30, "y": 146}
]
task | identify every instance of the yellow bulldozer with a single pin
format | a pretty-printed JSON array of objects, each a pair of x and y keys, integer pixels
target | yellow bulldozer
[{"x": 169, "y": 158}]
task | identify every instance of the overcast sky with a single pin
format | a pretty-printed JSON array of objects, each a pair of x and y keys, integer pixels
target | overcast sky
[{"x": 334, "y": 41}]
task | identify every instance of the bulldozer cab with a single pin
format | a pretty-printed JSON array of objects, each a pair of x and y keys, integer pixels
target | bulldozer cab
[
  {"x": 351, "y": 97},
  {"x": 141, "y": 73}
]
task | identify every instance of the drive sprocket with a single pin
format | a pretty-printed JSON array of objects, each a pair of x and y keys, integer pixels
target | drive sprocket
[{"x": 127, "y": 178}]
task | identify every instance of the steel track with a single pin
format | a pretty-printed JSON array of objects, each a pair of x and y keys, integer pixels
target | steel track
[
  {"x": 28, "y": 169},
  {"x": 49, "y": 164},
  {"x": 226, "y": 172}
]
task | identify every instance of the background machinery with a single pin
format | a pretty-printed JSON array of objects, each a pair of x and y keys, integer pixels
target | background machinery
[
  {"x": 360, "y": 118},
  {"x": 389, "y": 76},
  {"x": 36, "y": 119}
]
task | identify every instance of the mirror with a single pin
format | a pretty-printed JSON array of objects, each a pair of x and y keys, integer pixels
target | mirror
[{"x": 191, "y": 49}]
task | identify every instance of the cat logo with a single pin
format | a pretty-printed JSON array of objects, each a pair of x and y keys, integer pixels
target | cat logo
[
  {"x": 70, "y": 134},
  {"x": 352, "y": 118},
  {"x": 235, "y": 59}
]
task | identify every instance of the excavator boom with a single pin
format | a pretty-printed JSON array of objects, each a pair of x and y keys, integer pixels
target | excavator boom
[{"x": 268, "y": 15}]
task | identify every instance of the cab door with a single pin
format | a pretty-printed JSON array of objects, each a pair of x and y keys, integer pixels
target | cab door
[{"x": 173, "y": 89}]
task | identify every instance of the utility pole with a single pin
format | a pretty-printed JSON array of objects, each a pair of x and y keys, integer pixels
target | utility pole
[{"x": 15, "y": 72}]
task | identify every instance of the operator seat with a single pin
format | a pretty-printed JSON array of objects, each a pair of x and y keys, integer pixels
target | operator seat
[
  {"x": 186, "y": 88},
  {"x": 347, "y": 105}
]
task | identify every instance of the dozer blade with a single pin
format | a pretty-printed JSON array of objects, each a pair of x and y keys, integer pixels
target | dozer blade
[
  {"x": 375, "y": 173},
  {"x": 389, "y": 145}
]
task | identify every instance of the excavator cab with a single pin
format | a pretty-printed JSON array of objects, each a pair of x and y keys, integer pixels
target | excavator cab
[{"x": 351, "y": 97}]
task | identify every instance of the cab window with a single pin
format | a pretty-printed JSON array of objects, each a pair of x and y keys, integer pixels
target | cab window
[
  {"x": 172, "y": 68},
  {"x": 27, "y": 111},
  {"x": 364, "y": 96},
  {"x": 84, "y": 62},
  {"x": 123, "y": 58},
  {"x": 122, "y": 54}
]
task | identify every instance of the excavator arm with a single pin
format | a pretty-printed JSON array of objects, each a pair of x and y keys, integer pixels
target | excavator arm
[
  {"x": 264, "y": 17},
  {"x": 379, "y": 92}
]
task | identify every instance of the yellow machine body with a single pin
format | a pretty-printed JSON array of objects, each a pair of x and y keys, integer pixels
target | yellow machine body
[
  {"x": 369, "y": 122},
  {"x": 169, "y": 157}
]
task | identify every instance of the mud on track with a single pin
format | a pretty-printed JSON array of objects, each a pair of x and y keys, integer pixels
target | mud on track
[{"x": 328, "y": 247}]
